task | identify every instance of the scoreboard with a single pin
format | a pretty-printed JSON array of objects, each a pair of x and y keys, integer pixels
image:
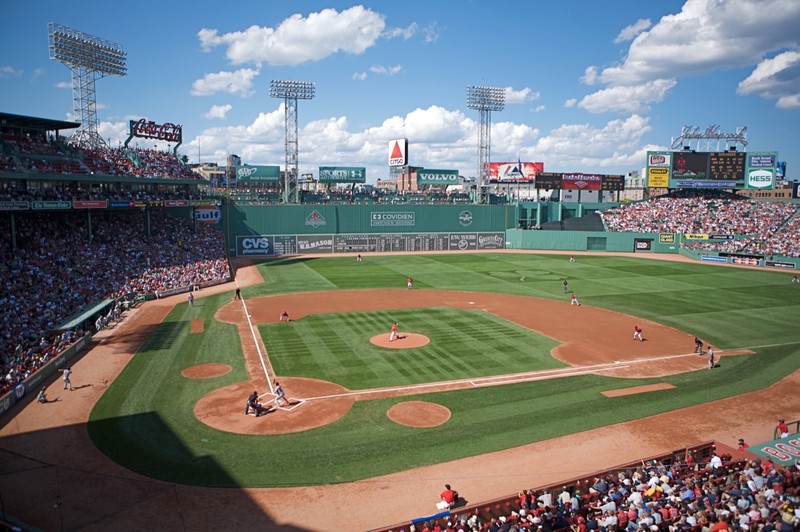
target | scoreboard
[
  {"x": 722, "y": 170},
  {"x": 727, "y": 165}
]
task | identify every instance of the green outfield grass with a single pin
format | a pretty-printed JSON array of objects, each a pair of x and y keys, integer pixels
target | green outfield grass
[{"x": 145, "y": 420}]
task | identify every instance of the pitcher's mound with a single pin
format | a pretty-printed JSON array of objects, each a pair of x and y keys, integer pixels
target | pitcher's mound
[
  {"x": 419, "y": 414},
  {"x": 402, "y": 341}
]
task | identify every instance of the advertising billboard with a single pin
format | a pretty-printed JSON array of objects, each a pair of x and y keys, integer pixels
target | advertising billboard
[
  {"x": 428, "y": 176},
  {"x": 398, "y": 152},
  {"x": 342, "y": 174},
  {"x": 761, "y": 170},
  {"x": 581, "y": 181},
  {"x": 258, "y": 174},
  {"x": 514, "y": 172},
  {"x": 659, "y": 164}
]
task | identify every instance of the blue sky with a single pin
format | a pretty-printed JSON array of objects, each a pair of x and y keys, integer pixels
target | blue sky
[{"x": 590, "y": 86}]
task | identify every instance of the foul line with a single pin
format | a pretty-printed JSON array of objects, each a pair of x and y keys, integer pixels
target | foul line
[
  {"x": 511, "y": 378},
  {"x": 255, "y": 341}
]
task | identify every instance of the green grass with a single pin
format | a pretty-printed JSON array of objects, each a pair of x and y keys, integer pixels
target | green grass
[
  {"x": 463, "y": 344},
  {"x": 145, "y": 420}
]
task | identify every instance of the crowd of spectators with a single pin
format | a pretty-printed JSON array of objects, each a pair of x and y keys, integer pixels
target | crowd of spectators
[
  {"x": 767, "y": 228},
  {"x": 721, "y": 494},
  {"x": 109, "y": 192},
  {"x": 61, "y": 266},
  {"x": 31, "y": 153}
]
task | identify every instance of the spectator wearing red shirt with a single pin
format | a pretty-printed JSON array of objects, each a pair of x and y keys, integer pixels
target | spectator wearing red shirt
[
  {"x": 447, "y": 498},
  {"x": 783, "y": 429}
]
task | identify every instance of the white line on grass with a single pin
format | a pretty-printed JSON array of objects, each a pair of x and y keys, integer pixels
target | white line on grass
[{"x": 255, "y": 341}]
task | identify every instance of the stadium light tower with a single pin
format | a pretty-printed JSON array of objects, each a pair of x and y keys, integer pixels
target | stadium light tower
[
  {"x": 88, "y": 58},
  {"x": 291, "y": 91},
  {"x": 485, "y": 100}
]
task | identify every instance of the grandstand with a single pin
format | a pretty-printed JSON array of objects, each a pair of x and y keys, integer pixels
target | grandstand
[{"x": 89, "y": 233}]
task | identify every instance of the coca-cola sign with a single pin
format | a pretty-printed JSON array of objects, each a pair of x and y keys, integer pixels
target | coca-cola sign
[{"x": 150, "y": 130}]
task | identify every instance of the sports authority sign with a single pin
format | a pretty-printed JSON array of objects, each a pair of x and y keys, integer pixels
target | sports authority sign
[
  {"x": 342, "y": 174},
  {"x": 398, "y": 152}
]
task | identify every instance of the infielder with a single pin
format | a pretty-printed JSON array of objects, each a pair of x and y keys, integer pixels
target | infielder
[
  {"x": 393, "y": 335},
  {"x": 573, "y": 300},
  {"x": 637, "y": 333}
]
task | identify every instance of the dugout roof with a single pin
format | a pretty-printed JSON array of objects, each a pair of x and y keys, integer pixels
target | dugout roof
[{"x": 17, "y": 123}]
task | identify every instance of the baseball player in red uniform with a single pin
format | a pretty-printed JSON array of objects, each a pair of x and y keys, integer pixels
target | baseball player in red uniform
[
  {"x": 637, "y": 333},
  {"x": 573, "y": 300},
  {"x": 394, "y": 332}
]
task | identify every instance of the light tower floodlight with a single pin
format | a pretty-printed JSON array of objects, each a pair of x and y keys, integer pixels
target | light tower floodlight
[
  {"x": 291, "y": 91},
  {"x": 485, "y": 100},
  {"x": 88, "y": 58}
]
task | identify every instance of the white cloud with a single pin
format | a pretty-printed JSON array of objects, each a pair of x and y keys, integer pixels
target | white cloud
[
  {"x": 9, "y": 72},
  {"x": 439, "y": 138},
  {"x": 627, "y": 99},
  {"x": 520, "y": 96},
  {"x": 218, "y": 111},
  {"x": 406, "y": 33},
  {"x": 538, "y": 109},
  {"x": 570, "y": 103},
  {"x": 705, "y": 36},
  {"x": 583, "y": 147},
  {"x": 778, "y": 77},
  {"x": 708, "y": 35},
  {"x": 239, "y": 82},
  {"x": 629, "y": 32},
  {"x": 431, "y": 33},
  {"x": 37, "y": 73},
  {"x": 300, "y": 39},
  {"x": 589, "y": 75},
  {"x": 63, "y": 85},
  {"x": 387, "y": 71},
  {"x": 360, "y": 76}
]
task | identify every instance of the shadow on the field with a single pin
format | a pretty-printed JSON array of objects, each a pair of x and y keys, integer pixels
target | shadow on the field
[{"x": 54, "y": 479}]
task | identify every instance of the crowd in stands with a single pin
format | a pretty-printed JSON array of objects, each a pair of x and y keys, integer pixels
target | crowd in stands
[
  {"x": 30, "y": 153},
  {"x": 72, "y": 191},
  {"x": 687, "y": 496},
  {"x": 767, "y": 228},
  {"x": 61, "y": 266}
]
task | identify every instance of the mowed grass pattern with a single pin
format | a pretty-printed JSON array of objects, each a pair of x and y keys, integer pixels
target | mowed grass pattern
[
  {"x": 145, "y": 420},
  {"x": 464, "y": 344}
]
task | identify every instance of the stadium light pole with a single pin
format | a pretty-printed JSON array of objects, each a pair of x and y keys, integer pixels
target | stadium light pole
[
  {"x": 485, "y": 100},
  {"x": 291, "y": 91},
  {"x": 88, "y": 58}
]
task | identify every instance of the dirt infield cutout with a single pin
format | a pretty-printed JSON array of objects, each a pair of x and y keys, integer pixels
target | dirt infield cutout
[
  {"x": 403, "y": 340},
  {"x": 206, "y": 371},
  {"x": 420, "y": 414},
  {"x": 633, "y": 390},
  {"x": 197, "y": 326}
]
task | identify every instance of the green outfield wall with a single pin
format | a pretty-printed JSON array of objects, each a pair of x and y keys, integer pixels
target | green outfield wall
[
  {"x": 258, "y": 230},
  {"x": 591, "y": 241}
]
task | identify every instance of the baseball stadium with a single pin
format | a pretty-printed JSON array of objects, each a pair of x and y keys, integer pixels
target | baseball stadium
[{"x": 244, "y": 352}]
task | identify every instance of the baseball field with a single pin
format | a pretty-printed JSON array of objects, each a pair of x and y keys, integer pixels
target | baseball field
[{"x": 504, "y": 362}]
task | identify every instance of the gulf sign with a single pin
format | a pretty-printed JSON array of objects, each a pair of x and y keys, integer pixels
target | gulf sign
[
  {"x": 208, "y": 214},
  {"x": 398, "y": 152}
]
